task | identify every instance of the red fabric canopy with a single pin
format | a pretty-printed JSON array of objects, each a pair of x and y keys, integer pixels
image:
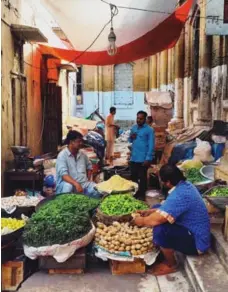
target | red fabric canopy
[{"x": 162, "y": 37}]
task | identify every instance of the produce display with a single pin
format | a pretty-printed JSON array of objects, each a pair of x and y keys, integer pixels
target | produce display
[
  {"x": 194, "y": 176},
  {"x": 121, "y": 205},
  {"x": 19, "y": 201},
  {"x": 121, "y": 237},
  {"x": 219, "y": 192},
  {"x": 188, "y": 164},
  {"x": 60, "y": 221},
  {"x": 20, "y": 193},
  {"x": 116, "y": 184},
  {"x": 9, "y": 225}
]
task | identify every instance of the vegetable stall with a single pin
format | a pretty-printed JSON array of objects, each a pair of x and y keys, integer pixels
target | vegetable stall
[{"x": 63, "y": 228}]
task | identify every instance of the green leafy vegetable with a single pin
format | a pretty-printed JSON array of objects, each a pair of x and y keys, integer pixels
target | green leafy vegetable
[
  {"x": 219, "y": 192},
  {"x": 194, "y": 176},
  {"x": 60, "y": 221},
  {"x": 121, "y": 205}
]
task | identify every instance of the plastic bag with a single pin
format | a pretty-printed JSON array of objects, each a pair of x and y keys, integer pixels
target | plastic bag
[
  {"x": 149, "y": 258},
  {"x": 202, "y": 151}
]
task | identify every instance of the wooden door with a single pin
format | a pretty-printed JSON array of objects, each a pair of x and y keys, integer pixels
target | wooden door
[
  {"x": 19, "y": 109},
  {"x": 52, "y": 133}
]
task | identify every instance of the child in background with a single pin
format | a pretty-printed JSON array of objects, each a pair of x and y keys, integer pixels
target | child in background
[{"x": 49, "y": 186}]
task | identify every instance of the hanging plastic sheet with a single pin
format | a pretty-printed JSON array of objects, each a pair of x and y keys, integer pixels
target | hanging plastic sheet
[{"x": 154, "y": 27}]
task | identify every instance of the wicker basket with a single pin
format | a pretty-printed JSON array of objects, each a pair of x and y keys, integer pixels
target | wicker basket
[{"x": 108, "y": 220}]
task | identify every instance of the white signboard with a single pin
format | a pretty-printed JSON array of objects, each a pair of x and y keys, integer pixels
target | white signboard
[{"x": 217, "y": 17}]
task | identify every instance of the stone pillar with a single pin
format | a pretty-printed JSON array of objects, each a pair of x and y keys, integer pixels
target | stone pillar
[
  {"x": 204, "y": 101},
  {"x": 187, "y": 75},
  {"x": 163, "y": 70},
  {"x": 154, "y": 86},
  {"x": 147, "y": 73},
  {"x": 177, "y": 122},
  {"x": 169, "y": 77},
  {"x": 158, "y": 71}
]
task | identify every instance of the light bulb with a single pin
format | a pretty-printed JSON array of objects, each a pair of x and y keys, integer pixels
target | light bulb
[{"x": 112, "y": 49}]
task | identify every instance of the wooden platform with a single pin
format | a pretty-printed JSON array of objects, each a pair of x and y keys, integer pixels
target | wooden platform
[
  {"x": 74, "y": 265},
  {"x": 65, "y": 271},
  {"x": 123, "y": 268},
  {"x": 17, "y": 271}
]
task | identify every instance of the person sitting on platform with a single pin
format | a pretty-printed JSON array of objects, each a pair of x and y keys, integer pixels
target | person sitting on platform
[
  {"x": 73, "y": 168},
  {"x": 181, "y": 223}
]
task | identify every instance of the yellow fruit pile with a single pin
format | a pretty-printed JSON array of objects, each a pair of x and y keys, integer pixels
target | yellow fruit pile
[
  {"x": 9, "y": 225},
  {"x": 116, "y": 183}
]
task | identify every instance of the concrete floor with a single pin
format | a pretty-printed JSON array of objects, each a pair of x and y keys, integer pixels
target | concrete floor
[{"x": 100, "y": 279}]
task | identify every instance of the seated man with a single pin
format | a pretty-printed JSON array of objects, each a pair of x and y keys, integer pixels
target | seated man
[
  {"x": 73, "y": 168},
  {"x": 180, "y": 224}
]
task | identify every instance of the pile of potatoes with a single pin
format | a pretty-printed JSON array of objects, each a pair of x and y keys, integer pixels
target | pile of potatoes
[{"x": 121, "y": 237}]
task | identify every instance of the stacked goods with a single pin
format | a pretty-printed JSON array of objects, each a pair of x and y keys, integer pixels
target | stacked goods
[
  {"x": 121, "y": 237},
  {"x": 202, "y": 151},
  {"x": 62, "y": 220},
  {"x": 221, "y": 171},
  {"x": 160, "y": 137},
  {"x": 121, "y": 205},
  {"x": 9, "y": 225},
  {"x": 116, "y": 184}
]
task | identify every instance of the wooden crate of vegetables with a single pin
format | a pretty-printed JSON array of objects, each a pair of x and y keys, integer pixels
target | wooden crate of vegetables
[
  {"x": 122, "y": 268},
  {"x": 120, "y": 238},
  {"x": 17, "y": 271},
  {"x": 74, "y": 265}
]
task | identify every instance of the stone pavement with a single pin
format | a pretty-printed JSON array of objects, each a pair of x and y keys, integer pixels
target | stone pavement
[{"x": 99, "y": 279}]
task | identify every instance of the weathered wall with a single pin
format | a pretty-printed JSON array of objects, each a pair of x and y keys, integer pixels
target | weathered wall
[
  {"x": 34, "y": 98},
  {"x": 101, "y": 89},
  {"x": 27, "y": 79}
]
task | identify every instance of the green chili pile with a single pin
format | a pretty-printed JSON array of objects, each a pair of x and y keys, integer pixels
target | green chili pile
[
  {"x": 121, "y": 205},
  {"x": 62, "y": 220},
  {"x": 194, "y": 176},
  {"x": 219, "y": 192}
]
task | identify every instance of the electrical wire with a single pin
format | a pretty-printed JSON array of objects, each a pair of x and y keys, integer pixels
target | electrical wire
[
  {"x": 116, "y": 11},
  {"x": 10, "y": 6},
  {"x": 162, "y": 12}
]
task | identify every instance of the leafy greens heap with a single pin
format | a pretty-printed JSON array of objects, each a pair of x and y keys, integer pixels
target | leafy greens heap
[{"x": 62, "y": 220}]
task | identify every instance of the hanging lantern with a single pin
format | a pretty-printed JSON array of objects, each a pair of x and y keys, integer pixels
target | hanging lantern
[{"x": 112, "y": 49}]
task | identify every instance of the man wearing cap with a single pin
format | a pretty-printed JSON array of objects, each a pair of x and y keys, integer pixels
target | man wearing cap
[{"x": 73, "y": 168}]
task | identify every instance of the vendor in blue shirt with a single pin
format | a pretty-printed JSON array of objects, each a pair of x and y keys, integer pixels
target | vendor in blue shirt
[
  {"x": 142, "y": 139},
  {"x": 73, "y": 168},
  {"x": 181, "y": 223}
]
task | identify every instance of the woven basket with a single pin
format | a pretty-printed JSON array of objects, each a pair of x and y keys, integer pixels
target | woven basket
[{"x": 108, "y": 220}]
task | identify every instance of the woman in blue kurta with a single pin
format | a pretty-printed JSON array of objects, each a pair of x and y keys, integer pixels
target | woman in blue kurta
[{"x": 180, "y": 224}]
